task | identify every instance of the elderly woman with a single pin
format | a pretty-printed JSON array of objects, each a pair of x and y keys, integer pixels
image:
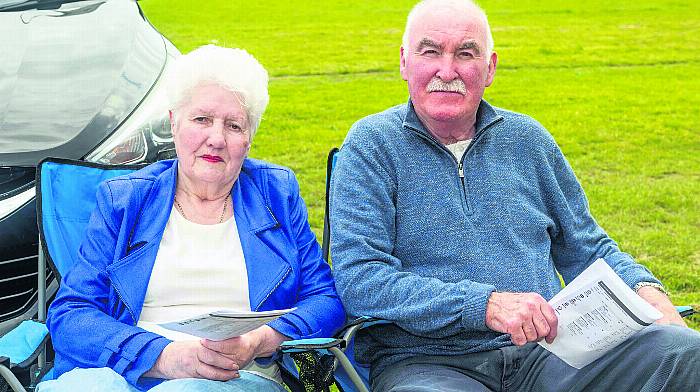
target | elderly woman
[{"x": 211, "y": 229}]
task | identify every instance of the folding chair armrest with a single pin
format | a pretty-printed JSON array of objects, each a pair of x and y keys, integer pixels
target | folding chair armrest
[
  {"x": 326, "y": 346},
  {"x": 335, "y": 347},
  {"x": 350, "y": 329},
  {"x": 309, "y": 362},
  {"x": 24, "y": 343},
  {"x": 685, "y": 311},
  {"x": 316, "y": 344}
]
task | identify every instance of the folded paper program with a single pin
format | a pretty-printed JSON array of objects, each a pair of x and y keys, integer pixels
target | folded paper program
[
  {"x": 221, "y": 325},
  {"x": 597, "y": 311}
]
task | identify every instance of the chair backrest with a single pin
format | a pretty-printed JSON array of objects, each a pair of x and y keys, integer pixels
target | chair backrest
[
  {"x": 326, "y": 240},
  {"x": 66, "y": 197},
  {"x": 341, "y": 376}
]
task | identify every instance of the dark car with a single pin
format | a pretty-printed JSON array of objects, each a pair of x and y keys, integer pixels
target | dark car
[{"x": 80, "y": 80}]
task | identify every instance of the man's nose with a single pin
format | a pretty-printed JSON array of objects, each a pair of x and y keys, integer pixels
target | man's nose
[{"x": 447, "y": 71}]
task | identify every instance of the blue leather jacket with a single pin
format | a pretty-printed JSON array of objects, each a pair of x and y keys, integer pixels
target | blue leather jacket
[{"x": 92, "y": 320}]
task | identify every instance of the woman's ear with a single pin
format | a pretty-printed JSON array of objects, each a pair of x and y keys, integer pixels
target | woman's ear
[
  {"x": 247, "y": 150},
  {"x": 172, "y": 121}
]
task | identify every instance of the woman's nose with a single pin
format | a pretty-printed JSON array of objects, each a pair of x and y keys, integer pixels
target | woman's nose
[{"x": 216, "y": 136}]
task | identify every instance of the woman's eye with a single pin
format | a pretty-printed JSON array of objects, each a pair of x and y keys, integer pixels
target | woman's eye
[{"x": 234, "y": 127}]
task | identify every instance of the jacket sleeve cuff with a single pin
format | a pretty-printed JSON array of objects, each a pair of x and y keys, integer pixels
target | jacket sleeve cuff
[
  {"x": 286, "y": 326},
  {"x": 145, "y": 361},
  {"x": 475, "y": 299}
]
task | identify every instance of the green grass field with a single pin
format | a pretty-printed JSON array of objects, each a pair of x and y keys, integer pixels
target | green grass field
[{"x": 615, "y": 82}]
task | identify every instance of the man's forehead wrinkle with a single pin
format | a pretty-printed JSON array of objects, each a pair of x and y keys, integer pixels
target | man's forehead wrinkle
[
  {"x": 466, "y": 43},
  {"x": 448, "y": 21}
]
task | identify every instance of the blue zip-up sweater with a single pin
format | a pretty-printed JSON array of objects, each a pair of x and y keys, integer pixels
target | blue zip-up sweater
[
  {"x": 422, "y": 240},
  {"x": 92, "y": 320}
]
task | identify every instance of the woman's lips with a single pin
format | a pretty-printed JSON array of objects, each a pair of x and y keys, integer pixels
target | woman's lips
[{"x": 212, "y": 158}]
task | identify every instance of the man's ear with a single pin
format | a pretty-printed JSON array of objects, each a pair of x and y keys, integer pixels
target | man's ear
[
  {"x": 402, "y": 64},
  {"x": 493, "y": 61}
]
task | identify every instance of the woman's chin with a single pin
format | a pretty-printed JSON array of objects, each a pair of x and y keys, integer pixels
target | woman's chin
[{"x": 210, "y": 176}]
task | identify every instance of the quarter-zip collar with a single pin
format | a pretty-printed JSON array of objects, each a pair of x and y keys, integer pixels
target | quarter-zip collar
[{"x": 486, "y": 116}]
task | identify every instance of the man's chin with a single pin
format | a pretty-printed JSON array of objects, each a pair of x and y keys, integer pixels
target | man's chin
[
  {"x": 446, "y": 113},
  {"x": 445, "y": 107}
]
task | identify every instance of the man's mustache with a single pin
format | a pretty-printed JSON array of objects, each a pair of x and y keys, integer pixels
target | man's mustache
[{"x": 455, "y": 86}]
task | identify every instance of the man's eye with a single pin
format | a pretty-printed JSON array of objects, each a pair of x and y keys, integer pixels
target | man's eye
[
  {"x": 201, "y": 119},
  {"x": 466, "y": 55},
  {"x": 430, "y": 52}
]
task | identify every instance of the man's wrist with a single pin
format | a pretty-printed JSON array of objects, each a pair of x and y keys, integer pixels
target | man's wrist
[{"x": 655, "y": 285}]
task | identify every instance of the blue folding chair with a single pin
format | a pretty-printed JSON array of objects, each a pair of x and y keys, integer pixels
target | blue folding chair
[
  {"x": 331, "y": 361},
  {"x": 66, "y": 198}
]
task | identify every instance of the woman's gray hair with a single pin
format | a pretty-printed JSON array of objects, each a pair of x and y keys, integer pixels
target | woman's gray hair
[{"x": 233, "y": 69}]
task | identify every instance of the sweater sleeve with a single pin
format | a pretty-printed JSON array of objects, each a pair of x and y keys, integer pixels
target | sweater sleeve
[
  {"x": 370, "y": 279},
  {"x": 578, "y": 240}
]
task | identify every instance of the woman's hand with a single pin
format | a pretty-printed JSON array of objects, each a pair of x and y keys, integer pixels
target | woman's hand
[
  {"x": 260, "y": 342},
  {"x": 191, "y": 359}
]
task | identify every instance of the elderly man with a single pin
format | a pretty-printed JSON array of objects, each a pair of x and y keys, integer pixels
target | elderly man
[{"x": 451, "y": 218}]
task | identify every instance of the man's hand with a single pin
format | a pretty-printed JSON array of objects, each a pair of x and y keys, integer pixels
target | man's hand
[
  {"x": 527, "y": 317},
  {"x": 191, "y": 359},
  {"x": 663, "y": 304},
  {"x": 260, "y": 342}
]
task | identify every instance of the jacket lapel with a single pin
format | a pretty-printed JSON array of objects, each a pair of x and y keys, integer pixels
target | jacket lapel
[
  {"x": 265, "y": 249},
  {"x": 132, "y": 272}
]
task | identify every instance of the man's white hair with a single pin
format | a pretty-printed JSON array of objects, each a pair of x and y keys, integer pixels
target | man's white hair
[
  {"x": 466, "y": 5},
  {"x": 233, "y": 69}
]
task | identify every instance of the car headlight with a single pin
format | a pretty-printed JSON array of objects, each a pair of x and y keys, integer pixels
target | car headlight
[{"x": 145, "y": 136}]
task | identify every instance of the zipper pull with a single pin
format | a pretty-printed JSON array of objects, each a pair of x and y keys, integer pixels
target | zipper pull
[{"x": 460, "y": 170}]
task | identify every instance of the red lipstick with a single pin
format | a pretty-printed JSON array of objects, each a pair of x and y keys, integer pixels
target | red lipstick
[{"x": 212, "y": 158}]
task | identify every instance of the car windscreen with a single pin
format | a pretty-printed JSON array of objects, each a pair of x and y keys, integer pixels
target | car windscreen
[
  {"x": 21, "y": 5},
  {"x": 69, "y": 78},
  {"x": 55, "y": 74}
]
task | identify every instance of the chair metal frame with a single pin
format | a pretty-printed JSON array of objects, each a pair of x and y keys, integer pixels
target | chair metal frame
[
  {"x": 337, "y": 346},
  {"x": 35, "y": 372}
]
